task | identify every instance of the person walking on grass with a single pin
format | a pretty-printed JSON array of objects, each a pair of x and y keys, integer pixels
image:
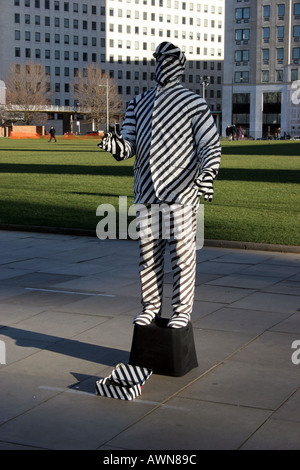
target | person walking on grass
[
  {"x": 172, "y": 134},
  {"x": 52, "y": 134}
]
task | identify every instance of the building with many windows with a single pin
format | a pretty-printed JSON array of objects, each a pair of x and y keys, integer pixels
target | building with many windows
[
  {"x": 120, "y": 36},
  {"x": 261, "y": 71}
]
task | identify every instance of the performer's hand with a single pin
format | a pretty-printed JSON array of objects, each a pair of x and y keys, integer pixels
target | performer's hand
[
  {"x": 114, "y": 144},
  {"x": 205, "y": 185}
]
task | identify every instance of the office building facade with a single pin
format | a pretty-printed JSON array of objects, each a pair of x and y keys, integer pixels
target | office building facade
[
  {"x": 261, "y": 70},
  {"x": 118, "y": 35}
]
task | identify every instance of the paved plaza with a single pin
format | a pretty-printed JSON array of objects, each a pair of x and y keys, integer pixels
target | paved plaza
[{"x": 66, "y": 309}]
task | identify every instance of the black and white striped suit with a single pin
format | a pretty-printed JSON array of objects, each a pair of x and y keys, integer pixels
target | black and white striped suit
[{"x": 172, "y": 134}]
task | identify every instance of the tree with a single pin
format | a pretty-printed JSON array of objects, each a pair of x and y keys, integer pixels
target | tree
[
  {"x": 28, "y": 90},
  {"x": 92, "y": 88}
]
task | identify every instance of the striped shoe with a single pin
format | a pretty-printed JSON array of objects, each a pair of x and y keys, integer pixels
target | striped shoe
[
  {"x": 144, "y": 318},
  {"x": 179, "y": 320}
]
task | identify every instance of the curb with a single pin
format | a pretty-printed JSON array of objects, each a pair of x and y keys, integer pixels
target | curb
[
  {"x": 208, "y": 243},
  {"x": 252, "y": 246}
]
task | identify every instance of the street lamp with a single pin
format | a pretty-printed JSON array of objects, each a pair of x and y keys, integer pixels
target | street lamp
[
  {"x": 107, "y": 112},
  {"x": 205, "y": 81}
]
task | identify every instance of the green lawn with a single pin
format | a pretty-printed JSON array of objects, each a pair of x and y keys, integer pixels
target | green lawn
[{"x": 61, "y": 185}]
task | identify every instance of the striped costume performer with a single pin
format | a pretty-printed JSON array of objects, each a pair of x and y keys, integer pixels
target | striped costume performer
[{"x": 177, "y": 151}]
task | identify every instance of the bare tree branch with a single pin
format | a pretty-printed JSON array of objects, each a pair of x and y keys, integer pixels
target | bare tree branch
[
  {"x": 90, "y": 90},
  {"x": 28, "y": 89}
]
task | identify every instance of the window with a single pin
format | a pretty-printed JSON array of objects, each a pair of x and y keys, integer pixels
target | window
[
  {"x": 266, "y": 12},
  {"x": 294, "y": 75},
  {"x": 296, "y": 31},
  {"x": 241, "y": 77},
  {"x": 242, "y": 14},
  {"x": 17, "y": 35},
  {"x": 280, "y": 33},
  {"x": 242, "y": 34},
  {"x": 241, "y": 56},
  {"x": 279, "y": 75},
  {"x": 266, "y": 34},
  {"x": 296, "y": 55},
  {"x": 265, "y": 76},
  {"x": 297, "y": 9},
  {"x": 280, "y": 55},
  {"x": 281, "y": 11},
  {"x": 265, "y": 56}
]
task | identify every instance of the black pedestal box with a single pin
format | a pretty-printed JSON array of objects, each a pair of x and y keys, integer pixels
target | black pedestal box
[{"x": 166, "y": 351}]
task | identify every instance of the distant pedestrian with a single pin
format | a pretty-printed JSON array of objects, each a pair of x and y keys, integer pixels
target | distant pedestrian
[
  {"x": 228, "y": 132},
  {"x": 239, "y": 133},
  {"x": 52, "y": 134},
  {"x": 233, "y": 131}
]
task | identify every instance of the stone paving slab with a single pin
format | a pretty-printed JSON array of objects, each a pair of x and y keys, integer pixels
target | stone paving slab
[{"x": 66, "y": 310}]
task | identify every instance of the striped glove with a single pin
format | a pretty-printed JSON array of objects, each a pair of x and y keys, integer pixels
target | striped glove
[
  {"x": 114, "y": 144},
  {"x": 205, "y": 185}
]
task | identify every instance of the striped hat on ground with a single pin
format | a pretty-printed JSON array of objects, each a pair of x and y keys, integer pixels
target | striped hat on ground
[{"x": 124, "y": 383}]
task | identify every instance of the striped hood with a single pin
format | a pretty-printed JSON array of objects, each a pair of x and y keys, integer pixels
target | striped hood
[{"x": 170, "y": 63}]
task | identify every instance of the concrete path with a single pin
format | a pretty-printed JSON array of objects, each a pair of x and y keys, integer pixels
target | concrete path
[{"x": 66, "y": 309}]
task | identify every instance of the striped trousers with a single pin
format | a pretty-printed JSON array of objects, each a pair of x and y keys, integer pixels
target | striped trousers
[{"x": 174, "y": 225}]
